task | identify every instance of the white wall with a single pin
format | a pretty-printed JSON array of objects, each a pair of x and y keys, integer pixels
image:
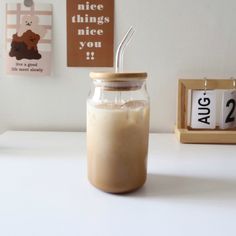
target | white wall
[{"x": 185, "y": 38}]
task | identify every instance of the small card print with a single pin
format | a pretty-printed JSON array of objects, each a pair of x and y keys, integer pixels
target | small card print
[
  {"x": 90, "y": 33},
  {"x": 28, "y": 39}
]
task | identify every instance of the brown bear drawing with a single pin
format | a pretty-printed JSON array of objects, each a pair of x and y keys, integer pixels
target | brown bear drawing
[
  {"x": 25, "y": 46},
  {"x": 29, "y": 38}
]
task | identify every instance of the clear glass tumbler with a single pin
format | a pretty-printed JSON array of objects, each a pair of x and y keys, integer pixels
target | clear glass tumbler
[{"x": 117, "y": 131}]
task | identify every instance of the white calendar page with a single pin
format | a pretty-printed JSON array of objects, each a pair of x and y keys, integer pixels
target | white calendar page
[
  {"x": 203, "y": 111},
  {"x": 228, "y": 109}
]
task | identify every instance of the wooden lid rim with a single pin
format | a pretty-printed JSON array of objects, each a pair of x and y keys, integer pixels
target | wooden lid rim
[{"x": 112, "y": 75}]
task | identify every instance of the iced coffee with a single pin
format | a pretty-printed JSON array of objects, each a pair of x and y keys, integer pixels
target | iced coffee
[{"x": 117, "y": 138}]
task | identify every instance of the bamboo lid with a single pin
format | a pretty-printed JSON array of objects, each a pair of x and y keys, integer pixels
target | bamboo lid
[{"x": 111, "y": 76}]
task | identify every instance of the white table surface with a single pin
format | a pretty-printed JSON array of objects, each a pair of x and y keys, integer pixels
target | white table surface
[{"x": 191, "y": 190}]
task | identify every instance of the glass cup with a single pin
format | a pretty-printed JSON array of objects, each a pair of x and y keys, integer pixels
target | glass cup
[{"x": 117, "y": 131}]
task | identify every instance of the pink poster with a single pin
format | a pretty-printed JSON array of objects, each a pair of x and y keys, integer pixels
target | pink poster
[{"x": 28, "y": 39}]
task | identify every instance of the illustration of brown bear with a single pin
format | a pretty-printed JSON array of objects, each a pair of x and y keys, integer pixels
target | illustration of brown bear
[
  {"x": 29, "y": 38},
  {"x": 25, "y": 46}
]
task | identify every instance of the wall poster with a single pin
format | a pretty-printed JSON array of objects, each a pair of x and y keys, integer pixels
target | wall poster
[
  {"x": 90, "y": 33},
  {"x": 28, "y": 39}
]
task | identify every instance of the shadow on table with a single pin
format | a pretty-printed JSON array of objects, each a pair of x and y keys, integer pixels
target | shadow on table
[{"x": 171, "y": 186}]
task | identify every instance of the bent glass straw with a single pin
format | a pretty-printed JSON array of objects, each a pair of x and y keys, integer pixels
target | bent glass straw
[{"x": 121, "y": 49}]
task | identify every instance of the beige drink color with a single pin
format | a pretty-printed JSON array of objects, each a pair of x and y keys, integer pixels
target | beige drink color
[{"x": 117, "y": 144}]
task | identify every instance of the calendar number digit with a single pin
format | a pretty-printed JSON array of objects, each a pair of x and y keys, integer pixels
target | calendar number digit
[{"x": 230, "y": 118}]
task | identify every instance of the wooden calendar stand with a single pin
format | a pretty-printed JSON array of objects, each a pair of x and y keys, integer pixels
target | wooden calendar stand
[{"x": 187, "y": 135}]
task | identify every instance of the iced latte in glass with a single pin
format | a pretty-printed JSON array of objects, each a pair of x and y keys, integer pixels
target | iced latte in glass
[{"x": 117, "y": 131}]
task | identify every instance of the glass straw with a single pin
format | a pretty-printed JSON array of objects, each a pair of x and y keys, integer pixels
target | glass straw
[
  {"x": 121, "y": 49},
  {"x": 120, "y": 56}
]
